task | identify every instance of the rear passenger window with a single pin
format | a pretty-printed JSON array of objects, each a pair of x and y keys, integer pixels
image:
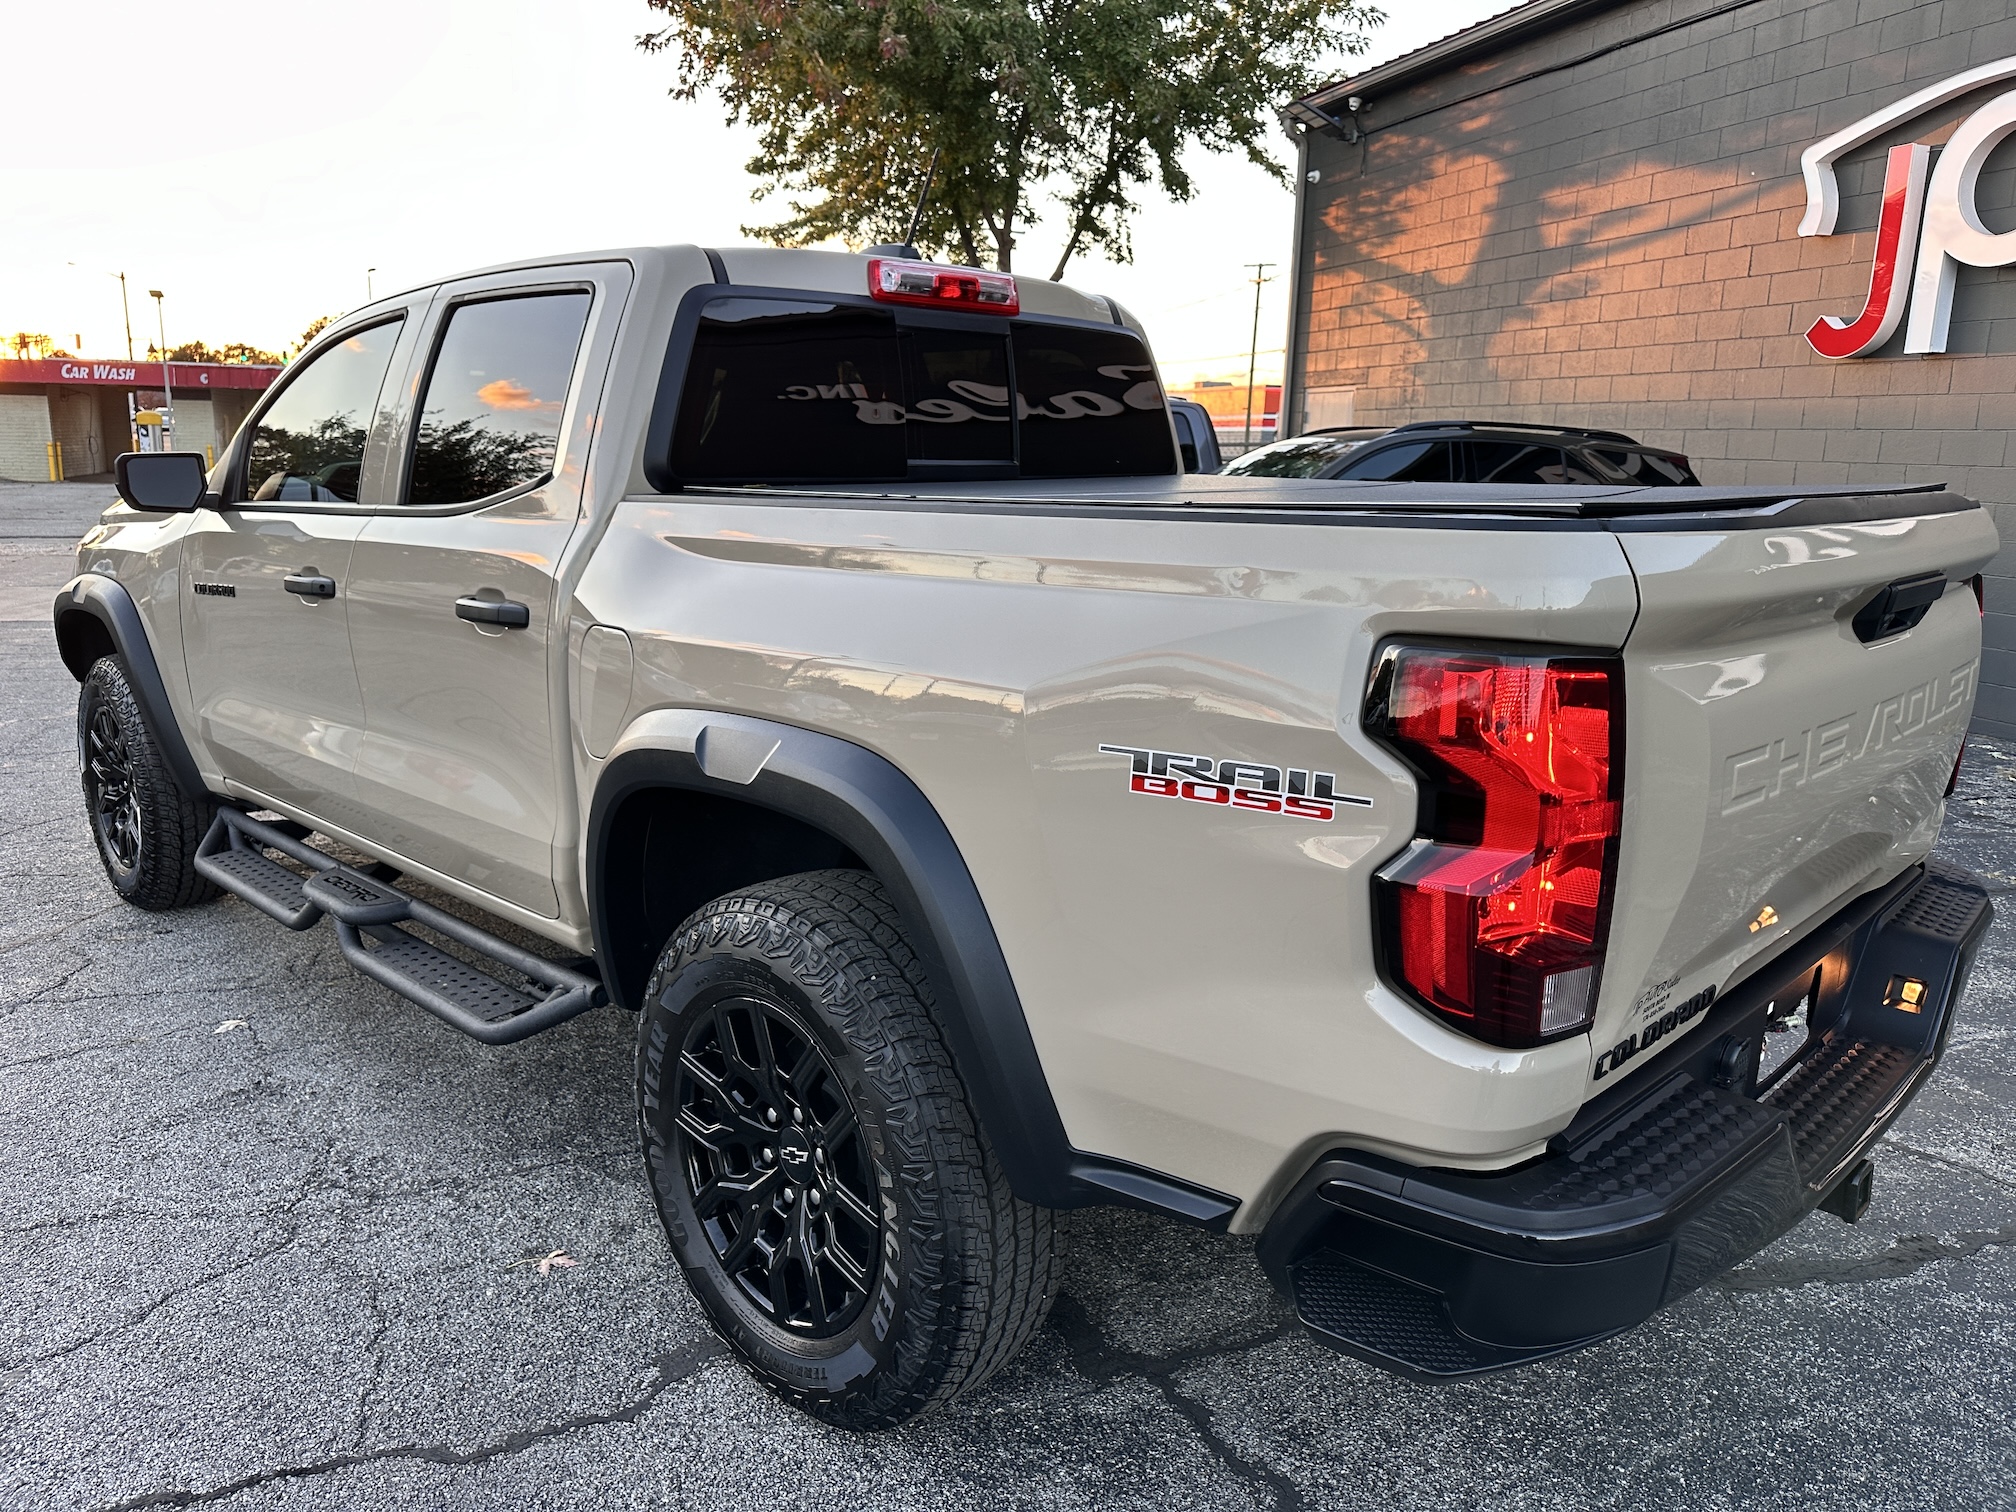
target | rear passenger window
[
  {"x": 490, "y": 416},
  {"x": 1413, "y": 462},
  {"x": 783, "y": 390}
]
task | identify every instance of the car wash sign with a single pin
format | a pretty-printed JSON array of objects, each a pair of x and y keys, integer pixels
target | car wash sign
[
  {"x": 192, "y": 376},
  {"x": 1929, "y": 224}
]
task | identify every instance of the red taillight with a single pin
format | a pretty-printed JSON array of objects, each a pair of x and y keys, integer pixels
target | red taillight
[
  {"x": 1495, "y": 918},
  {"x": 922, "y": 283}
]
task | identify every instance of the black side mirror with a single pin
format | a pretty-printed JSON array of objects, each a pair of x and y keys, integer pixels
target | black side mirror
[{"x": 161, "y": 482}]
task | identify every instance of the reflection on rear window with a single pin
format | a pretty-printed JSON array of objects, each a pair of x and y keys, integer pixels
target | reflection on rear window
[{"x": 786, "y": 390}]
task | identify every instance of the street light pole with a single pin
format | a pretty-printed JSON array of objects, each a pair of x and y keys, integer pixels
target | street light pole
[
  {"x": 1253, "y": 354},
  {"x": 369, "y": 297},
  {"x": 167, "y": 391}
]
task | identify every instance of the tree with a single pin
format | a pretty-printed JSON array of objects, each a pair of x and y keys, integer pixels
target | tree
[
  {"x": 315, "y": 328},
  {"x": 1084, "y": 101}
]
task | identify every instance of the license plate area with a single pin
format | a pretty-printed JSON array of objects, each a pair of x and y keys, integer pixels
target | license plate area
[{"x": 1788, "y": 1030}]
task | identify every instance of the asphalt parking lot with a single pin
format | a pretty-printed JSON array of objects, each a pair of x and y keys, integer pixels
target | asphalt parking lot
[{"x": 286, "y": 1264}]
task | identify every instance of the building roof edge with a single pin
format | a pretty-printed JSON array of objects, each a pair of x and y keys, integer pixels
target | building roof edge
[{"x": 1457, "y": 47}]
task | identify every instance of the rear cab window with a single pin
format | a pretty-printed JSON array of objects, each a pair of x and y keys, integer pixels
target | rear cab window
[{"x": 815, "y": 388}]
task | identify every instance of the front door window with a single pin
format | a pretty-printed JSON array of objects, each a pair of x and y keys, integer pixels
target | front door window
[{"x": 308, "y": 447}]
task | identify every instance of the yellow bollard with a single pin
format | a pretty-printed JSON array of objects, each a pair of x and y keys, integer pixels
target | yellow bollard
[
  {"x": 55, "y": 461},
  {"x": 209, "y": 458}
]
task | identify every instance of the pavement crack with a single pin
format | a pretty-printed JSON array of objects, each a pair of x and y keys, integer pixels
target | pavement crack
[
  {"x": 374, "y": 1350},
  {"x": 667, "y": 1371},
  {"x": 1097, "y": 1359},
  {"x": 1902, "y": 1257},
  {"x": 289, "y": 1235},
  {"x": 1949, "y": 1162}
]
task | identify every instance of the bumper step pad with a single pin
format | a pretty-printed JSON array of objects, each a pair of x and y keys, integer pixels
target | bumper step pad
[
  {"x": 367, "y": 913},
  {"x": 1682, "y": 1172}
]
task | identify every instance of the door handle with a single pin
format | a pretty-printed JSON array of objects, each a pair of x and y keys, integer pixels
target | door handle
[
  {"x": 309, "y": 586},
  {"x": 503, "y": 612}
]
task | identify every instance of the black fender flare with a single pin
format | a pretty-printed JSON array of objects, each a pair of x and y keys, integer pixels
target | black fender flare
[
  {"x": 867, "y": 804},
  {"x": 94, "y": 597}
]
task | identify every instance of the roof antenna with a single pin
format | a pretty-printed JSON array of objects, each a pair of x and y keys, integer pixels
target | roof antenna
[{"x": 908, "y": 246}]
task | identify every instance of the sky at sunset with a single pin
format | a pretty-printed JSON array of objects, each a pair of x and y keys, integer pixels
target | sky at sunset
[{"x": 253, "y": 160}]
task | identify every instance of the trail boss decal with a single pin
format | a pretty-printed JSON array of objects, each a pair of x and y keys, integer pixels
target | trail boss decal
[{"x": 1250, "y": 785}]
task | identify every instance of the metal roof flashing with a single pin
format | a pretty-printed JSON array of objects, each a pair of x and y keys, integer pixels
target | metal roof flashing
[{"x": 1313, "y": 110}]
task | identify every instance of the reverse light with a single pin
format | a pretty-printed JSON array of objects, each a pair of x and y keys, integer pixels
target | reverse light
[
  {"x": 1905, "y": 993},
  {"x": 1496, "y": 917},
  {"x": 922, "y": 283}
]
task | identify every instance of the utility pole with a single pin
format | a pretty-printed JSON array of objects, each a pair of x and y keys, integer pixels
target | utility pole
[
  {"x": 167, "y": 392},
  {"x": 1253, "y": 354},
  {"x": 127, "y": 310}
]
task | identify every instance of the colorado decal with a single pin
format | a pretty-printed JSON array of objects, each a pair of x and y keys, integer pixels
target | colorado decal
[{"x": 1250, "y": 785}]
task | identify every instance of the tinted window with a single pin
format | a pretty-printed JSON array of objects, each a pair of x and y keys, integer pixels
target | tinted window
[
  {"x": 783, "y": 390},
  {"x": 1519, "y": 462},
  {"x": 1652, "y": 469},
  {"x": 956, "y": 396},
  {"x": 1304, "y": 457},
  {"x": 490, "y": 417},
  {"x": 309, "y": 445},
  {"x": 1410, "y": 462},
  {"x": 778, "y": 389},
  {"x": 1090, "y": 403}
]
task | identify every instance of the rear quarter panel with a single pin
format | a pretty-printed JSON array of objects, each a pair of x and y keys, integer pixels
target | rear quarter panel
[{"x": 1199, "y": 982}]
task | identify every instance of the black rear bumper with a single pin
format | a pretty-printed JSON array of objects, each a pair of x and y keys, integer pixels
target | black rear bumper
[{"x": 1659, "y": 1184}]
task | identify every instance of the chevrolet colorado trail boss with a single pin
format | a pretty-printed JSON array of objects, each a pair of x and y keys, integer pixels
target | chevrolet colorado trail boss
[{"x": 1511, "y": 904}]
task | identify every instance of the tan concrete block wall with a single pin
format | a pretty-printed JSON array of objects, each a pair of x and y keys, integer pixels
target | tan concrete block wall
[
  {"x": 24, "y": 438},
  {"x": 1613, "y": 244}
]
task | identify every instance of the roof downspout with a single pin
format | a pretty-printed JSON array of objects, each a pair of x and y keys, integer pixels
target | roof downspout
[{"x": 1288, "y": 419}]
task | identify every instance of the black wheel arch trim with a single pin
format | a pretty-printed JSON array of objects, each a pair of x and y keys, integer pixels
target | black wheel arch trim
[
  {"x": 867, "y": 804},
  {"x": 105, "y": 600}
]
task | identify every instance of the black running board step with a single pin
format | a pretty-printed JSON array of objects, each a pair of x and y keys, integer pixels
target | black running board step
[
  {"x": 367, "y": 911},
  {"x": 233, "y": 855},
  {"x": 458, "y": 994}
]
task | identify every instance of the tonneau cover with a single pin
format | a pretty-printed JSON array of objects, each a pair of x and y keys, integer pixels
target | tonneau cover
[{"x": 1212, "y": 492}]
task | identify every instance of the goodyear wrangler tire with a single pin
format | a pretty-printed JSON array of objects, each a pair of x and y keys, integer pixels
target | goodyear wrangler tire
[
  {"x": 146, "y": 828},
  {"x": 819, "y": 1172}
]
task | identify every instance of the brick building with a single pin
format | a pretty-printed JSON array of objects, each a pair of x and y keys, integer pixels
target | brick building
[
  {"x": 86, "y": 408},
  {"x": 1591, "y": 212}
]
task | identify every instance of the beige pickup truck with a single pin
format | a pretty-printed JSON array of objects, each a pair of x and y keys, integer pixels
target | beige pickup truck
[{"x": 1510, "y": 904}]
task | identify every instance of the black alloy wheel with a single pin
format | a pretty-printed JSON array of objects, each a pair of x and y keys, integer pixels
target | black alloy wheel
[
  {"x": 110, "y": 790},
  {"x": 145, "y": 826},
  {"x": 775, "y": 1165},
  {"x": 823, "y": 1183}
]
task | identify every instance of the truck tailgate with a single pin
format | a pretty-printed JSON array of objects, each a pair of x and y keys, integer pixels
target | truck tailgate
[{"x": 1777, "y": 763}]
